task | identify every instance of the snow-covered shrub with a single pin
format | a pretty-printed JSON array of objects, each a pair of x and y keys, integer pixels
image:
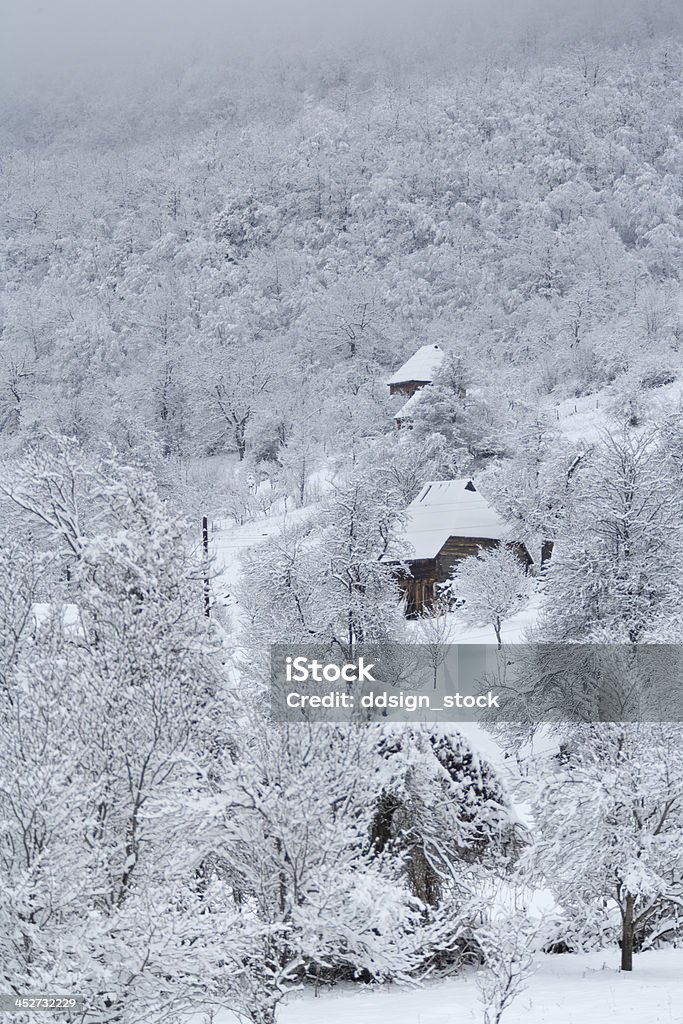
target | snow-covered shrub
[{"x": 507, "y": 946}]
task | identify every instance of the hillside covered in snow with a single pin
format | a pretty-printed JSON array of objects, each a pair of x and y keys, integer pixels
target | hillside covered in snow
[{"x": 326, "y": 328}]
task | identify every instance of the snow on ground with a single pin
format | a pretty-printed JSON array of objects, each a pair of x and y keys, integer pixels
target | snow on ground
[
  {"x": 229, "y": 542},
  {"x": 569, "y": 989},
  {"x": 585, "y": 418},
  {"x": 514, "y": 630},
  {"x": 42, "y": 610}
]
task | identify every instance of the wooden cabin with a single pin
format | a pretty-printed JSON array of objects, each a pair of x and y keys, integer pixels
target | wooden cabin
[
  {"x": 418, "y": 372},
  {"x": 449, "y": 520}
]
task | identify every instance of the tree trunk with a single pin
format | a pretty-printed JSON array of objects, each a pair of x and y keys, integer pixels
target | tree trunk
[
  {"x": 627, "y": 935},
  {"x": 241, "y": 441},
  {"x": 496, "y": 627}
]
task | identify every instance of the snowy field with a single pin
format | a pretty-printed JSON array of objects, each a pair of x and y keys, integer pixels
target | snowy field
[
  {"x": 585, "y": 989},
  {"x": 584, "y": 419}
]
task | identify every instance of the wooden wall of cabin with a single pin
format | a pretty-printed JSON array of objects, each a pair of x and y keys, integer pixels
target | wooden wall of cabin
[
  {"x": 420, "y": 588},
  {"x": 407, "y": 387},
  {"x": 457, "y": 548}
]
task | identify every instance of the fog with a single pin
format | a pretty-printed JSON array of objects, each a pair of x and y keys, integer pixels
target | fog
[{"x": 44, "y": 40}]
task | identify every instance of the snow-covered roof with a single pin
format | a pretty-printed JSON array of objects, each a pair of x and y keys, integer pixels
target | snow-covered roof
[
  {"x": 42, "y": 612},
  {"x": 421, "y": 366},
  {"x": 408, "y": 408},
  {"x": 443, "y": 509}
]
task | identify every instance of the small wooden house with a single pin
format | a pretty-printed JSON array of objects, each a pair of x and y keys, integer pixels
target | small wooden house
[
  {"x": 418, "y": 372},
  {"x": 449, "y": 520}
]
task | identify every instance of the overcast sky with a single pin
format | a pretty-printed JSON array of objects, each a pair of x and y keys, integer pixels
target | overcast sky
[{"x": 40, "y": 39}]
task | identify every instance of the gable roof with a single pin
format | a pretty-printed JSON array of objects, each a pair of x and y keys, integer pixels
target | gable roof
[
  {"x": 406, "y": 411},
  {"x": 443, "y": 509},
  {"x": 421, "y": 366}
]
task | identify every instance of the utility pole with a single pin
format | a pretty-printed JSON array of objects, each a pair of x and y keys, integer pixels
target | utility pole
[{"x": 205, "y": 547}]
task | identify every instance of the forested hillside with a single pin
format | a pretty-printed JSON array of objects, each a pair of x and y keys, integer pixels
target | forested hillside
[
  {"x": 211, "y": 265},
  {"x": 203, "y": 269}
]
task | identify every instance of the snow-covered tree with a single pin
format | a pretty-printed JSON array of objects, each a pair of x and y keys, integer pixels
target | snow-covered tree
[
  {"x": 435, "y": 631},
  {"x": 106, "y": 724},
  {"x": 492, "y": 585},
  {"x": 507, "y": 952},
  {"x": 290, "y": 823},
  {"x": 609, "y": 815},
  {"x": 326, "y": 581},
  {"x": 469, "y": 423},
  {"x": 617, "y": 573},
  {"x": 237, "y": 382},
  {"x": 442, "y": 811}
]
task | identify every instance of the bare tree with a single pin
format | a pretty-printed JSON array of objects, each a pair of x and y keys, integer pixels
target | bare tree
[
  {"x": 435, "y": 632},
  {"x": 508, "y": 962}
]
